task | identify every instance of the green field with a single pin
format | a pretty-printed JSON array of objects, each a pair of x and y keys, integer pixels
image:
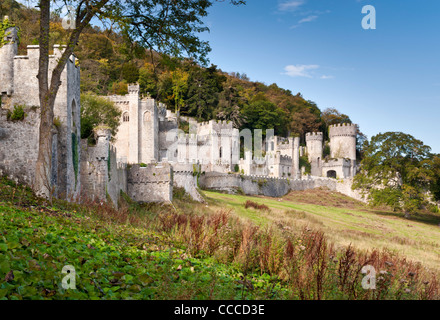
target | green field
[{"x": 345, "y": 221}]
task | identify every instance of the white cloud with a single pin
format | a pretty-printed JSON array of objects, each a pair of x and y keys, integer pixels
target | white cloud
[
  {"x": 308, "y": 19},
  {"x": 290, "y": 5},
  {"x": 300, "y": 70},
  {"x": 325, "y": 77}
]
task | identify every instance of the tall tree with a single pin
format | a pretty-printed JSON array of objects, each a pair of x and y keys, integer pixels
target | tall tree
[
  {"x": 204, "y": 87},
  {"x": 167, "y": 26},
  {"x": 395, "y": 171},
  {"x": 331, "y": 116}
]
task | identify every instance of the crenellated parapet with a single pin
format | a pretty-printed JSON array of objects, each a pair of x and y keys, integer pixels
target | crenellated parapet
[
  {"x": 343, "y": 130},
  {"x": 315, "y": 136}
]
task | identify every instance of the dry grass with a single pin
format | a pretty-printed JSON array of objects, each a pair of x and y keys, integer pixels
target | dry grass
[{"x": 358, "y": 225}]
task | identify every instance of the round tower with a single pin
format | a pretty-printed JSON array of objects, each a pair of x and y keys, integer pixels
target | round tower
[
  {"x": 314, "y": 143},
  {"x": 343, "y": 141}
]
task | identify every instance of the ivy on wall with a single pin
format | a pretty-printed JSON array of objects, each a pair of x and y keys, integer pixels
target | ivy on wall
[
  {"x": 75, "y": 156},
  {"x": 109, "y": 164},
  {"x": 4, "y": 25}
]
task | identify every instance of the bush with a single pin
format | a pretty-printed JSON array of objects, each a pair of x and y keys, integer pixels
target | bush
[
  {"x": 17, "y": 114},
  {"x": 251, "y": 204}
]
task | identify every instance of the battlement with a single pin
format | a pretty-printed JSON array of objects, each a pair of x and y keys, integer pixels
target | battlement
[
  {"x": 133, "y": 88},
  {"x": 343, "y": 129},
  {"x": 216, "y": 125},
  {"x": 314, "y": 136}
]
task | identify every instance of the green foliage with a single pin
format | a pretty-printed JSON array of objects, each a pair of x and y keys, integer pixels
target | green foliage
[
  {"x": 304, "y": 162},
  {"x": 148, "y": 80},
  {"x": 18, "y": 114},
  {"x": 434, "y": 164},
  {"x": 204, "y": 87},
  {"x": 264, "y": 115},
  {"x": 4, "y": 26},
  {"x": 130, "y": 72},
  {"x": 109, "y": 164},
  {"x": 395, "y": 171},
  {"x": 96, "y": 111}
]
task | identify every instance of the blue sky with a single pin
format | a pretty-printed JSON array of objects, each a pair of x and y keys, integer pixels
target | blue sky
[{"x": 386, "y": 79}]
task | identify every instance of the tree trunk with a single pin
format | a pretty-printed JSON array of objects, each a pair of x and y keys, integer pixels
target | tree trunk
[
  {"x": 48, "y": 91},
  {"x": 43, "y": 166}
]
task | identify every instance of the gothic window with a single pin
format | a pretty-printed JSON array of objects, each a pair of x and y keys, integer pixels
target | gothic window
[
  {"x": 125, "y": 117},
  {"x": 147, "y": 116}
]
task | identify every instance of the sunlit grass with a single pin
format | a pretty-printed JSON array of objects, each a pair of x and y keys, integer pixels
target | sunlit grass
[{"x": 365, "y": 228}]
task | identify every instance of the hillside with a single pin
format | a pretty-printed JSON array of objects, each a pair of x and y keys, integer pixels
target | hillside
[
  {"x": 218, "y": 250},
  {"x": 110, "y": 60}
]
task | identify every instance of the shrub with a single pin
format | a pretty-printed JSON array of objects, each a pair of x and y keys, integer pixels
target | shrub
[
  {"x": 17, "y": 114},
  {"x": 251, "y": 204}
]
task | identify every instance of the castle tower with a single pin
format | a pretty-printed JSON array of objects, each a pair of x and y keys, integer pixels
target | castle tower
[
  {"x": 148, "y": 128},
  {"x": 296, "y": 174},
  {"x": 314, "y": 143},
  {"x": 7, "y": 53},
  {"x": 343, "y": 141}
]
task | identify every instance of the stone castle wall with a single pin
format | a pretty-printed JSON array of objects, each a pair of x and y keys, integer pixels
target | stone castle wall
[
  {"x": 273, "y": 187},
  {"x": 18, "y": 151},
  {"x": 185, "y": 176},
  {"x": 153, "y": 183},
  {"x": 101, "y": 174},
  {"x": 19, "y": 87}
]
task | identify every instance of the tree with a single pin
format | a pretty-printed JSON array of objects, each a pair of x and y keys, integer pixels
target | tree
[
  {"x": 264, "y": 115},
  {"x": 169, "y": 27},
  {"x": 148, "y": 80},
  {"x": 331, "y": 116},
  {"x": 97, "y": 111},
  {"x": 204, "y": 87},
  {"x": 230, "y": 104},
  {"x": 435, "y": 182},
  {"x": 180, "y": 87},
  {"x": 395, "y": 171}
]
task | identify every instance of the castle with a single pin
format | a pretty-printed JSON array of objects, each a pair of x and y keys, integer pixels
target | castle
[
  {"x": 18, "y": 140},
  {"x": 149, "y": 133},
  {"x": 151, "y": 155}
]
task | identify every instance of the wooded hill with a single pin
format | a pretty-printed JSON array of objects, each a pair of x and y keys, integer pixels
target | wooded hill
[{"x": 110, "y": 60}]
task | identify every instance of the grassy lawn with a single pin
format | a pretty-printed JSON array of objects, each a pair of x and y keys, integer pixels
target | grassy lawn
[{"x": 345, "y": 221}]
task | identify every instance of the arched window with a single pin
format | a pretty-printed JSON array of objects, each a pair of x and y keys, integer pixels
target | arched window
[
  {"x": 147, "y": 116},
  {"x": 125, "y": 117}
]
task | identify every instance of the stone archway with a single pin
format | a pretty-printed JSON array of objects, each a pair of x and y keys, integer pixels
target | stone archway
[{"x": 331, "y": 174}]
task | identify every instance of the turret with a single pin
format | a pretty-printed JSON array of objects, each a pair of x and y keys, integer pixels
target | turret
[
  {"x": 314, "y": 143},
  {"x": 314, "y": 151},
  {"x": 343, "y": 141}
]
